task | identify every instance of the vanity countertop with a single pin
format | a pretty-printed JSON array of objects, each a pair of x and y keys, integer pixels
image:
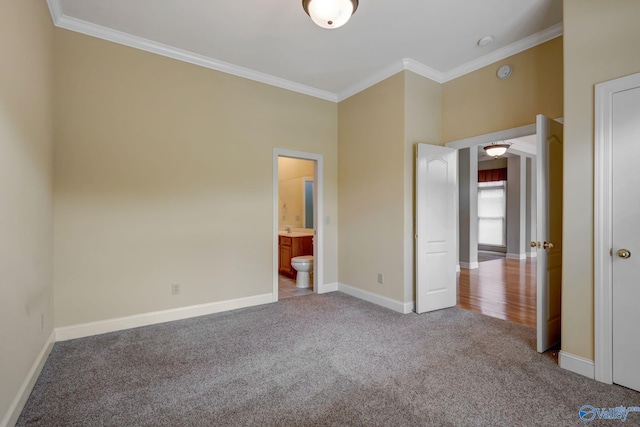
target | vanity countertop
[{"x": 296, "y": 233}]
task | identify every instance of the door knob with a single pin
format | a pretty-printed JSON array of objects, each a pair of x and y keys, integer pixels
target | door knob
[
  {"x": 624, "y": 253},
  {"x": 549, "y": 245},
  {"x": 533, "y": 244}
]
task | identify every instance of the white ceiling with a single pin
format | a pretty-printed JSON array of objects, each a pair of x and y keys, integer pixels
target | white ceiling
[{"x": 275, "y": 42}]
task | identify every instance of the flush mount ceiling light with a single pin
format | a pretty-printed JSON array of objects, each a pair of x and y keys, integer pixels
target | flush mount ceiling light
[
  {"x": 330, "y": 13},
  {"x": 497, "y": 149}
]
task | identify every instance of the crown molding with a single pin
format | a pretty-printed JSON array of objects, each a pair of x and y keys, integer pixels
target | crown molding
[
  {"x": 376, "y": 78},
  {"x": 440, "y": 77},
  {"x": 407, "y": 64},
  {"x": 423, "y": 70},
  {"x": 73, "y": 24},
  {"x": 55, "y": 9},
  {"x": 62, "y": 21},
  {"x": 505, "y": 52}
]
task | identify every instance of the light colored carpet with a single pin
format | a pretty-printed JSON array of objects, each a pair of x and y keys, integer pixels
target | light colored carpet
[{"x": 316, "y": 360}]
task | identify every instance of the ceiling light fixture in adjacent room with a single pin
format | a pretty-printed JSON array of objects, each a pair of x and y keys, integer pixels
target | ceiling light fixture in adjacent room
[
  {"x": 497, "y": 149},
  {"x": 330, "y": 13}
]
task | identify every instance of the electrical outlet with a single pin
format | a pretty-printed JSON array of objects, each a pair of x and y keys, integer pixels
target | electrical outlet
[
  {"x": 175, "y": 289},
  {"x": 380, "y": 278}
]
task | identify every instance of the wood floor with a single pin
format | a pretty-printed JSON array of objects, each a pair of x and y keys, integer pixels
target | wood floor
[{"x": 502, "y": 288}]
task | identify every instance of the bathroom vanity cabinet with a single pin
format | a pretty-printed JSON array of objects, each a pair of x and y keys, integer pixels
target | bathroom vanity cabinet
[{"x": 291, "y": 247}]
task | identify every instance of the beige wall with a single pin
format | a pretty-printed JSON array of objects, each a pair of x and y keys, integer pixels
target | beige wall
[
  {"x": 591, "y": 56},
  {"x": 371, "y": 188},
  {"x": 291, "y": 177},
  {"x": 163, "y": 174},
  {"x": 26, "y": 309},
  {"x": 378, "y": 131},
  {"x": 423, "y": 119},
  {"x": 406, "y": 109},
  {"x": 479, "y": 102}
]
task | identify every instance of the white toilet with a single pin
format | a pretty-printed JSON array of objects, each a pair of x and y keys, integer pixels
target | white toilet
[{"x": 303, "y": 265}]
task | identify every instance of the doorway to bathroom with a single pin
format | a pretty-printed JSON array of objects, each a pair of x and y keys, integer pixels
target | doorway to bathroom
[{"x": 297, "y": 261}]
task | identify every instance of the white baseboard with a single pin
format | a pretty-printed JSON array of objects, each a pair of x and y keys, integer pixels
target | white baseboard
[
  {"x": 517, "y": 256},
  {"x": 492, "y": 252},
  {"x": 389, "y": 303},
  {"x": 469, "y": 265},
  {"x": 146, "y": 319},
  {"x": 328, "y": 287},
  {"x": 409, "y": 307},
  {"x": 457, "y": 268},
  {"x": 576, "y": 364},
  {"x": 12, "y": 415},
  {"x": 532, "y": 254}
]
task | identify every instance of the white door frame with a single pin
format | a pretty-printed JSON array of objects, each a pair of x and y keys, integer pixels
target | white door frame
[
  {"x": 318, "y": 245},
  {"x": 603, "y": 227}
]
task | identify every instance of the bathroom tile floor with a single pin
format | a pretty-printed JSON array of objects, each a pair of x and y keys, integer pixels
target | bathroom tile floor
[{"x": 287, "y": 288}]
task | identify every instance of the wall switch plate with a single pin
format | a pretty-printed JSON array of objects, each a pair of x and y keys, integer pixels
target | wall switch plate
[
  {"x": 175, "y": 289},
  {"x": 380, "y": 278}
]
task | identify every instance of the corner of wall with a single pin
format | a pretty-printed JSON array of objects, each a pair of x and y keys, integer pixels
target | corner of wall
[{"x": 12, "y": 415}]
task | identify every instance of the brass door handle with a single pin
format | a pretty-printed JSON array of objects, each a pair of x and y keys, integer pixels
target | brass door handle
[
  {"x": 533, "y": 244},
  {"x": 624, "y": 253},
  {"x": 549, "y": 245}
]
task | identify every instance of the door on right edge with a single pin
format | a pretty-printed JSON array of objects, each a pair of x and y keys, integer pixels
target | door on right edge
[
  {"x": 549, "y": 231},
  {"x": 626, "y": 237}
]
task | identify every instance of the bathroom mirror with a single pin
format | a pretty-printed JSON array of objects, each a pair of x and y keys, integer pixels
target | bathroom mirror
[{"x": 296, "y": 188}]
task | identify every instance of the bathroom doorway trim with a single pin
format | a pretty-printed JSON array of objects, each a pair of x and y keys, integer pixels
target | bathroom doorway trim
[{"x": 318, "y": 241}]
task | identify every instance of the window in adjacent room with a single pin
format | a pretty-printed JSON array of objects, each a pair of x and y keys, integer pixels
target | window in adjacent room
[{"x": 492, "y": 202}]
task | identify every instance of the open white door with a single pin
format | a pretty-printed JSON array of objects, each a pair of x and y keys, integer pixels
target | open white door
[
  {"x": 549, "y": 229},
  {"x": 436, "y": 227}
]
